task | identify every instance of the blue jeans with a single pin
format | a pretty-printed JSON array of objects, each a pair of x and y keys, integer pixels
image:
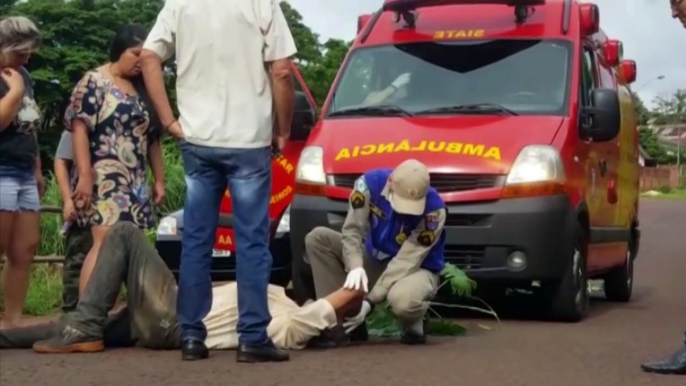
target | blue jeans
[{"x": 208, "y": 171}]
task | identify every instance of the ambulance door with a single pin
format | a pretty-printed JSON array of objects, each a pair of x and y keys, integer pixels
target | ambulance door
[{"x": 283, "y": 168}]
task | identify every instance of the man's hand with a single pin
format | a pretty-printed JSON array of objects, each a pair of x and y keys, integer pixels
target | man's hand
[
  {"x": 357, "y": 280},
  {"x": 352, "y": 323},
  {"x": 279, "y": 143},
  {"x": 14, "y": 80}
]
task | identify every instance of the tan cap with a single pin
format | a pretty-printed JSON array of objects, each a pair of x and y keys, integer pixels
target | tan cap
[{"x": 407, "y": 187}]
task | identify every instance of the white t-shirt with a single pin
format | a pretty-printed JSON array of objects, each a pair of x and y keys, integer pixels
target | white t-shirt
[
  {"x": 291, "y": 326},
  {"x": 223, "y": 85}
]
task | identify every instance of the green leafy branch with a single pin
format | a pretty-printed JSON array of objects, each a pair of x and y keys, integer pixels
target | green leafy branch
[{"x": 382, "y": 323}]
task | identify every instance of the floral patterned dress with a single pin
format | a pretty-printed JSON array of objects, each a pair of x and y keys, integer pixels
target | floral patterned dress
[{"x": 120, "y": 133}]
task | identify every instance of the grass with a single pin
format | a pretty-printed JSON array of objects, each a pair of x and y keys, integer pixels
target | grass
[
  {"x": 667, "y": 193},
  {"x": 45, "y": 291}
]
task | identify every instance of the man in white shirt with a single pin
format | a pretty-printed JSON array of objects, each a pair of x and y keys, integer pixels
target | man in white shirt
[
  {"x": 150, "y": 320},
  {"x": 233, "y": 70}
]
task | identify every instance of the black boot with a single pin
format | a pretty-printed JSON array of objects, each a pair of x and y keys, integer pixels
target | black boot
[
  {"x": 329, "y": 338},
  {"x": 360, "y": 334},
  {"x": 675, "y": 364},
  {"x": 413, "y": 337},
  {"x": 69, "y": 340},
  {"x": 248, "y": 354}
]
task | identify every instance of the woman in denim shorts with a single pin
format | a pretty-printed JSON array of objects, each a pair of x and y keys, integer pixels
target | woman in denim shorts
[{"x": 21, "y": 181}]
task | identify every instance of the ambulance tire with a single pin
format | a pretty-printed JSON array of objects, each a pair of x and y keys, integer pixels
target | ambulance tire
[
  {"x": 280, "y": 278},
  {"x": 619, "y": 282},
  {"x": 569, "y": 298}
]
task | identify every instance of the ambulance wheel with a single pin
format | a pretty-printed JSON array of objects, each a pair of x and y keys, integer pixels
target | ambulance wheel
[
  {"x": 281, "y": 278},
  {"x": 569, "y": 300},
  {"x": 619, "y": 282}
]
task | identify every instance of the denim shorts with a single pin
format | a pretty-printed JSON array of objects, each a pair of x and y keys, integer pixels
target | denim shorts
[{"x": 18, "y": 192}]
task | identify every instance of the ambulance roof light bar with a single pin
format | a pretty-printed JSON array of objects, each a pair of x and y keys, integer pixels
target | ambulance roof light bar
[{"x": 406, "y": 9}]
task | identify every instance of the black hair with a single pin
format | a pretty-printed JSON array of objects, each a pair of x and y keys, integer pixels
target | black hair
[{"x": 126, "y": 37}]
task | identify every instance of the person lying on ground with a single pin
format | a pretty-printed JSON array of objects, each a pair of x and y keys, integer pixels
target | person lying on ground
[
  {"x": 392, "y": 242},
  {"x": 149, "y": 319}
]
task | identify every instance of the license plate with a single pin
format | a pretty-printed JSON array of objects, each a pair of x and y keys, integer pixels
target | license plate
[{"x": 220, "y": 253}]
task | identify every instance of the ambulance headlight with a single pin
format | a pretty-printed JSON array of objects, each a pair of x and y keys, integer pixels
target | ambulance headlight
[
  {"x": 311, "y": 166},
  {"x": 167, "y": 227},
  {"x": 537, "y": 163},
  {"x": 285, "y": 223}
]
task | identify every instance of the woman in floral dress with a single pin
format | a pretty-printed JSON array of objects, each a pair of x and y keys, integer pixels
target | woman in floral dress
[{"x": 115, "y": 134}]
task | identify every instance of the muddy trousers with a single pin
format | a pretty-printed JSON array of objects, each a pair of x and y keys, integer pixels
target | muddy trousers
[
  {"x": 408, "y": 298},
  {"x": 79, "y": 241},
  {"x": 150, "y": 317}
]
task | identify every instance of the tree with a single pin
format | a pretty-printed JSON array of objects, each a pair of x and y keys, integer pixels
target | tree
[
  {"x": 76, "y": 38},
  {"x": 642, "y": 113},
  {"x": 671, "y": 109}
]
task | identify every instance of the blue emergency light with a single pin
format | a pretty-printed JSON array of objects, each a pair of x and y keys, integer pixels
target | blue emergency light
[{"x": 405, "y": 9}]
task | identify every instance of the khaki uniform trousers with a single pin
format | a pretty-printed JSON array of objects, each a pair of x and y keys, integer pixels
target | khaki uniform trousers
[{"x": 408, "y": 298}]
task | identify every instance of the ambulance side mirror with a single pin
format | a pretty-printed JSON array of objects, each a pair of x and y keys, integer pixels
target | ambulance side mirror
[
  {"x": 605, "y": 115},
  {"x": 304, "y": 117}
]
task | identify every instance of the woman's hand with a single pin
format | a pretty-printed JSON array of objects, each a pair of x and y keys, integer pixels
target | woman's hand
[
  {"x": 68, "y": 210},
  {"x": 14, "y": 80},
  {"x": 40, "y": 183},
  {"x": 158, "y": 193},
  {"x": 83, "y": 192},
  {"x": 175, "y": 130}
]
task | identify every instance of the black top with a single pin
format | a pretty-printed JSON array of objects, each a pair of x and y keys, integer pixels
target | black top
[{"x": 18, "y": 143}]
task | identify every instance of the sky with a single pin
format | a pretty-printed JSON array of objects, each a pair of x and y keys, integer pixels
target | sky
[{"x": 651, "y": 37}]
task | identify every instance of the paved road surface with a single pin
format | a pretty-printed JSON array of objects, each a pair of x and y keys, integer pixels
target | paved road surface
[{"x": 604, "y": 350}]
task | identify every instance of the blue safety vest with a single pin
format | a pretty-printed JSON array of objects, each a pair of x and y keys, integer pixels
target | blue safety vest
[{"x": 389, "y": 230}]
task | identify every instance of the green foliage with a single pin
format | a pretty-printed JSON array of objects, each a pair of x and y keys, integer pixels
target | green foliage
[
  {"x": 382, "y": 323},
  {"x": 460, "y": 284},
  {"x": 665, "y": 189}
]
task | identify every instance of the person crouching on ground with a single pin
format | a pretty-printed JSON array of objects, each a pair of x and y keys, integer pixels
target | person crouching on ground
[
  {"x": 392, "y": 240},
  {"x": 149, "y": 319}
]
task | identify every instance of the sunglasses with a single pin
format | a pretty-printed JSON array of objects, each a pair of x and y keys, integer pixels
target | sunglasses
[{"x": 675, "y": 3}]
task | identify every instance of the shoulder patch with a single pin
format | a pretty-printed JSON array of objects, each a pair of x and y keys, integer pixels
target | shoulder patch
[
  {"x": 376, "y": 210},
  {"x": 426, "y": 238},
  {"x": 357, "y": 200},
  {"x": 361, "y": 185},
  {"x": 431, "y": 220}
]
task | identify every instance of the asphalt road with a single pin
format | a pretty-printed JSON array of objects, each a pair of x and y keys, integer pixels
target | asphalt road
[{"x": 604, "y": 350}]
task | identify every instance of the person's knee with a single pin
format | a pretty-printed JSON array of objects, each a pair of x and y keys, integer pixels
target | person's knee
[
  {"x": 317, "y": 237},
  {"x": 123, "y": 229},
  {"x": 317, "y": 240},
  {"x": 406, "y": 305}
]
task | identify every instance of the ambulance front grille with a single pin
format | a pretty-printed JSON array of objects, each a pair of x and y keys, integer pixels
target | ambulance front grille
[
  {"x": 465, "y": 256},
  {"x": 443, "y": 183}
]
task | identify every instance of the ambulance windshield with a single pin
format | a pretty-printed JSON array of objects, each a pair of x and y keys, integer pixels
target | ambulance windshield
[{"x": 526, "y": 77}]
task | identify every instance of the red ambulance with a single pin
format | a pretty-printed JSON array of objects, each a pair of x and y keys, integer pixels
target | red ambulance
[{"x": 522, "y": 111}]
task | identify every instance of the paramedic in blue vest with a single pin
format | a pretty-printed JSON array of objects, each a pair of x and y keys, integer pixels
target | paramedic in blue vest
[{"x": 391, "y": 246}]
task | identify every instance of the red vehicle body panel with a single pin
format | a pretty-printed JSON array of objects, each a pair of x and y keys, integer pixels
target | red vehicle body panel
[
  {"x": 283, "y": 181},
  {"x": 612, "y": 198}
]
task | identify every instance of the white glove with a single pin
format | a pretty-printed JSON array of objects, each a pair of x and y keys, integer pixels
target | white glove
[
  {"x": 352, "y": 323},
  {"x": 402, "y": 80},
  {"x": 357, "y": 280}
]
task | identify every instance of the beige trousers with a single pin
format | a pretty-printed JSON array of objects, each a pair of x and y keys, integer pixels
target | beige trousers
[{"x": 409, "y": 297}]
